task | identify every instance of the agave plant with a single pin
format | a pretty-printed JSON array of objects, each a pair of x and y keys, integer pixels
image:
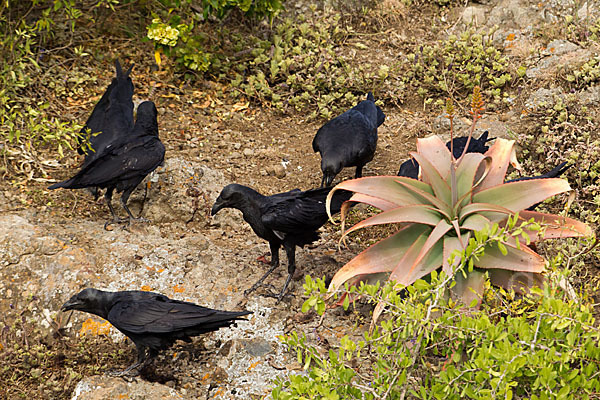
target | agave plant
[{"x": 439, "y": 214}]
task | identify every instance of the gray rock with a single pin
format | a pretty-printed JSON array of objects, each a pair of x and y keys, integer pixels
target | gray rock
[
  {"x": 248, "y": 152},
  {"x": 474, "y": 15},
  {"x": 103, "y": 387},
  {"x": 543, "y": 98},
  {"x": 257, "y": 347},
  {"x": 176, "y": 190},
  {"x": 559, "y": 54}
]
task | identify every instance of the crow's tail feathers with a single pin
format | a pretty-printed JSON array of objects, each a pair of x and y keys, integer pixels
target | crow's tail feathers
[
  {"x": 558, "y": 170},
  {"x": 484, "y": 137}
]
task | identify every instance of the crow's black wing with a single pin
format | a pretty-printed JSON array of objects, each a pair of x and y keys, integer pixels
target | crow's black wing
[
  {"x": 134, "y": 159},
  {"x": 96, "y": 121},
  {"x": 302, "y": 212},
  {"x": 159, "y": 314},
  {"x": 338, "y": 131}
]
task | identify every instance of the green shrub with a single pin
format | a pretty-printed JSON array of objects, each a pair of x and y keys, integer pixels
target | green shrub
[
  {"x": 456, "y": 65},
  {"x": 26, "y": 125},
  {"x": 541, "y": 346}
]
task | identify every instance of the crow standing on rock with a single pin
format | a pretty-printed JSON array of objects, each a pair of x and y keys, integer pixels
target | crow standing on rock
[
  {"x": 151, "y": 320},
  {"x": 287, "y": 219},
  {"x": 124, "y": 164},
  {"x": 349, "y": 140}
]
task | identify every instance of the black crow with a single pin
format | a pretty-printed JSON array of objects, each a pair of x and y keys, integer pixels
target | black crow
[
  {"x": 410, "y": 168},
  {"x": 553, "y": 173},
  {"x": 126, "y": 163},
  {"x": 151, "y": 320},
  {"x": 111, "y": 118},
  {"x": 349, "y": 139},
  {"x": 290, "y": 219}
]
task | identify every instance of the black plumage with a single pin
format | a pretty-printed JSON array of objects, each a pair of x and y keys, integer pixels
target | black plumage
[
  {"x": 112, "y": 117},
  {"x": 287, "y": 219},
  {"x": 348, "y": 140},
  {"x": 410, "y": 168},
  {"x": 553, "y": 173},
  {"x": 125, "y": 163},
  {"x": 151, "y": 320}
]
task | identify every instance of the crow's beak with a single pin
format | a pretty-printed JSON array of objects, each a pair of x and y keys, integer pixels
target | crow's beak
[
  {"x": 70, "y": 305},
  {"x": 216, "y": 207}
]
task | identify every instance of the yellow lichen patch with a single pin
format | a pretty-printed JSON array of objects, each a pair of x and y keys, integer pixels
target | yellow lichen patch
[
  {"x": 253, "y": 365},
  {"x": 95, "y": 328},
  {"x": 178, "y": 289},
  {"x": 205, "y": 377},
  {"x": 218, "y": 392},
  {"x": 149, "y": 268},
  {"x": 123, "y": 396},
  {"x": 510, "y": 37},
  {"x": 174, "y": 355},
  {"x": 160, "y": 270},
  {"x": 146, "y": 288}
]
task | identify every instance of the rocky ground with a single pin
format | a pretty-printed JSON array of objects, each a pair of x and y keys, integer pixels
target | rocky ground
[{"x": 52, "y": 244}]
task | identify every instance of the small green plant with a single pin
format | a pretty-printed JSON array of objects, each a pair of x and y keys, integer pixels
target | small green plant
[
  {"x": 456, "y": 65},
  {"x": 541, "y": 346},
  {"x": 586, "y": 75},
  {"x": 456, "y": 199}
]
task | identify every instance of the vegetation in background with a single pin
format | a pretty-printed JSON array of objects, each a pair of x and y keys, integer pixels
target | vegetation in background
[{"x": 457, "y": 64}]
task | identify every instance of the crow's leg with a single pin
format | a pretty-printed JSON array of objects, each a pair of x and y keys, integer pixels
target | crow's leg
[
  {"x": 124, "y": 199},
  {"x": 108, "y": 198},
  {"x": 145, "y": 355},
  {"x": 290, "y": 250},
  {"x": 274, "y": 264},
  {"x": 358, "y": 172}
]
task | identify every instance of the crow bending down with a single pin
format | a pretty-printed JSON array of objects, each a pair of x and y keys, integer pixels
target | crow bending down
[
  {"x": 348, "y": 140},
  {"x": 410, "y": 168},
  {"x": 125, "y": 163},
  {"x": 152, "y": 321},
  {"x": 287, "y": 219}
]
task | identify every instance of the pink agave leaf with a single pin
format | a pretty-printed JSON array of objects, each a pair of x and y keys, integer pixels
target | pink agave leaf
[
  {"x": 414, "y": 264},
  {"x": 487, "y": 210},
  {"x": 519, "y": 281},
  {"x": 500, "y": 153},
  {"x": 523, "y": 259},
  {"x": 475, "y": 222},
  {"x": 434, "y": 238},
  {"x": 383, "y": 256},
  {"x": 432, "y": 176},
  {"x": 421, "y": 214},
  {"x": 470, "y": 172},
  {"x": 430, "y": 199},
  {"x": 556, "y": 226},
  {"x": 452, "y": 243},
  {"x": 433, "y": 149},
  {"x": 517, "y": 196},
  {"x": 385, "y": 188},
  {"x": 470, "y": 288},
  {"x": 376, "y": 202}
]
